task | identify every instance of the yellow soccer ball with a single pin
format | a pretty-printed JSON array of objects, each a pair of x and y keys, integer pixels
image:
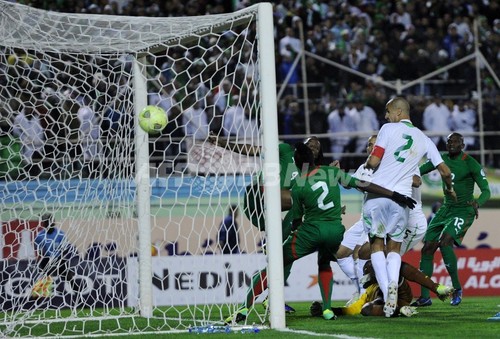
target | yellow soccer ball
[{"x": 153, "y": 119}]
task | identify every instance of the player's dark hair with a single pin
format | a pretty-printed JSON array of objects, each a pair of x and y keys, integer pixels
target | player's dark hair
[
  {"x": 303, "y": 156},
  {"x": 455, "y": 134},
  {"x": 320, "y": 158}
]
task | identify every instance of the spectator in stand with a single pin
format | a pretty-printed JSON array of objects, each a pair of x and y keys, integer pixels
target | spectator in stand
[
  {"x": 223, "y": 96},
  {"x": 293, "y": 121},
  {"x": 89, "y": 137},
  {"x": 340, "y": 120},
  {"x": 453, "y": 42},
  {"x": 436, "y": 119},
  {"x": 194, "y": 119},
  {"x": 288, "y": 69},
  {"x": 319, "y": 122},
  {"x": 366, "y": 122},
  {"x": 233, "y": 118},
  {"x": 10, "y": 153},
  {"x": 492, "y": 123},
  {"x": 162, "y": 95},
  {"x": 310, "y": 14},
  {"x": 29, "y": 130},
  {"x": 289, "y": 45},
  {"x": 389, "y": 23},
  {"x": 401, "y": 16},
  {"x": 338, "y": 29},
  {"x": 463, "y": 121}
]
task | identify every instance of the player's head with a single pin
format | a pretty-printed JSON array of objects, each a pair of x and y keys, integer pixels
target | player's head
[
  {"x": 47, "y": 221},
  {"x": 315, "y": 145},
  {"x": 455, "y": 143},
  {"x": 304, "y": 157},
  {"x": 397, "y": 109},
  {"x": 370, "y": 143}
]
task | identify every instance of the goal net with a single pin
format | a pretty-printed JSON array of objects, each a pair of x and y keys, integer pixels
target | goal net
[{"x": 137, "y": 245}]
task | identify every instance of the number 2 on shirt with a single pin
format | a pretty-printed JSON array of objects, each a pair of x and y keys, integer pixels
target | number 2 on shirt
[
  {"x": 321, "y": 198},
  {"x": 406, "y": 146}
]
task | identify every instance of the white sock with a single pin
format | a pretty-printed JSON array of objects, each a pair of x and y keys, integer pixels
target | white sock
[
  {"x": 393, "y": 266},
  {"x": 347, "y": 266},
  {"x": 361, "y": 264},
  {"x": 379, "y": 264}
]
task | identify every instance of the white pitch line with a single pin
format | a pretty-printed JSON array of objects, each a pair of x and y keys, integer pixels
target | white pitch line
[{"x": 315, "y": 334}]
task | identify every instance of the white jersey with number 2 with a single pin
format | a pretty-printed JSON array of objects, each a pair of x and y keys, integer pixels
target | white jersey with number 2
[{"x": 403, "y": 146}]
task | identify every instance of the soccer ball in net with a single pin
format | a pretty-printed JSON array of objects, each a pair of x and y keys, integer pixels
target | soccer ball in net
[{"x": 153, "y": 119}]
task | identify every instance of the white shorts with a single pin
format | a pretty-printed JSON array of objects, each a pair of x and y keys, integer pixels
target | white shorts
[
  {"x": 355, "y": 235},
  {"x": 415, "y": 231},
  {"x": 383, "y": 217}
]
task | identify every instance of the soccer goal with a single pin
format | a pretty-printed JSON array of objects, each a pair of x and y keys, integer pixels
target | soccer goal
[{"x": 140, "y": 213}]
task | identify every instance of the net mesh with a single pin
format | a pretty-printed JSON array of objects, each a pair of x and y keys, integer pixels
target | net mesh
[{"x": 67, "y": 105}]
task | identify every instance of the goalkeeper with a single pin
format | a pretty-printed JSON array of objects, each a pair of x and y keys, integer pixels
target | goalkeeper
[
  {"x": 371, "y": 303},
  {"x": 54, "y": 257}
]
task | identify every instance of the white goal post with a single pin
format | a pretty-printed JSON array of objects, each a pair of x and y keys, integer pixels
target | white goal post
[{"x": 141, "y": 214}]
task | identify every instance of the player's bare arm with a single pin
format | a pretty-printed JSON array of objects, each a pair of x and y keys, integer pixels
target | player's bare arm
[
  {"x": 372, "y": 162},
  {"x": 417, "y": 181},
  {"x": 445, "y": 173}
]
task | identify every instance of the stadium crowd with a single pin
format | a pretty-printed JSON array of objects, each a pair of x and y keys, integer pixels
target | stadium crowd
[{"x": 387, "y": 40}]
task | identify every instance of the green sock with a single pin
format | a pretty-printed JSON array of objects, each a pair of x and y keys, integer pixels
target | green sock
[
  {"x": 325, "y": 282},
  {"x": 450, "y": 261},
  {"x": 427, "y": 267},
  {"x": 258, "y": 284}
]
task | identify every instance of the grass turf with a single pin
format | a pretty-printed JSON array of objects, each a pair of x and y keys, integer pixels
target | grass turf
[{"x": 441, "y": 320}]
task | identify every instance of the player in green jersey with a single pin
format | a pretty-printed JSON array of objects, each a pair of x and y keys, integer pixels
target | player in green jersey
[
  {"x": 254, "y": 206},
  {"x": 317, "y": 210},
  {"x": 453, "y": 219}
]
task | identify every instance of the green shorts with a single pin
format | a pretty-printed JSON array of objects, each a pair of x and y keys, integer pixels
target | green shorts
[
  {"x": 324, "y": 237},
  {"x": 454, "y": 221}
]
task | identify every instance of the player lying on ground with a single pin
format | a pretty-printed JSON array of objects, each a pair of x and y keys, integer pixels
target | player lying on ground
[{"x": 371, "y": 303}]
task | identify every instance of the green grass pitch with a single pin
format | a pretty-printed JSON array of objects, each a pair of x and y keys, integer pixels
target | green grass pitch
[{"x": 468, "y": 320}]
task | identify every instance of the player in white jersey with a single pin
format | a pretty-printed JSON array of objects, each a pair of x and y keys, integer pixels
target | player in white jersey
[
  {"x": 355, "y": 236},
  {"x": 417, "y": 221},
  {"x": 395, "y": 158}
]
